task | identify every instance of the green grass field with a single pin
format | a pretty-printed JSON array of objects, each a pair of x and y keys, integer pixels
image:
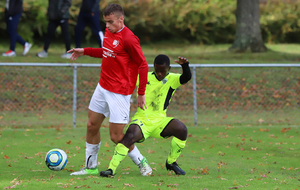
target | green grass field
[
  {"x": 255, "y": 149},
  {"x": 223, "y": 157},
  {"x": 197, "y": 53}
]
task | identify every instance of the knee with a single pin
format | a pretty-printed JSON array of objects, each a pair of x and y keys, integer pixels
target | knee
[
  {"x": 116, "y": 138},
  {"x": 182, "y": 131},
  {"x": 92, "y": 127}
]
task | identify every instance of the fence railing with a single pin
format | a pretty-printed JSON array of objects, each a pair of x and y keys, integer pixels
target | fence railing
[{"x": 213, "y": 87}]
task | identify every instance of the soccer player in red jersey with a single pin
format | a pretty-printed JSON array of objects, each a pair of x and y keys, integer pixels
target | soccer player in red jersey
[{"x": 122, "y": 62}]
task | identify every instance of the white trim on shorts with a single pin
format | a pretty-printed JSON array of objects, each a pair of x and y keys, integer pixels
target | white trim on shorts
[{"x": 110, "y": 104}]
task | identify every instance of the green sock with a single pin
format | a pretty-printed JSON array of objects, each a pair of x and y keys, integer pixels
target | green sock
[
  {"x": 176, "y": 147},
  {"x": 119, "y": 154}
]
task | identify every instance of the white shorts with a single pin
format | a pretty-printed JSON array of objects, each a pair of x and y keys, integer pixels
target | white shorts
[{"x": 112, "y": 105}]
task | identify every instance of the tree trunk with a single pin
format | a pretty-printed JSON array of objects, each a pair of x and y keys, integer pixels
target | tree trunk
[{"x": 248, "y": 33}]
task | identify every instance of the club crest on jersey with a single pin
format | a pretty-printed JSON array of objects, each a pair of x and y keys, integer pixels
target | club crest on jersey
[
  {"x": 164, "y": 81},
  {"x": 115, "y": 43}
]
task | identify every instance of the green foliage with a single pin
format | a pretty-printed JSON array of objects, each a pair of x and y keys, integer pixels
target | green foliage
[
  {"x": 280, "y": 21},
  {"x": 203, "y": 21}
]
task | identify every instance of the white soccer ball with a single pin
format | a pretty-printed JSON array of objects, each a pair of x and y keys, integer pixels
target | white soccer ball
[{"x": 56, "y": 159}]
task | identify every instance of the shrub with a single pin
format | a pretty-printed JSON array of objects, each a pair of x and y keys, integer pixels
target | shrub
[{"x": 201, "y": 21}]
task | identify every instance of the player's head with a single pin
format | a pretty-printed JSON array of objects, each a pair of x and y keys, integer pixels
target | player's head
[
  {"x": 113, "y": 15},
  {"x": 161, "y": 66}
]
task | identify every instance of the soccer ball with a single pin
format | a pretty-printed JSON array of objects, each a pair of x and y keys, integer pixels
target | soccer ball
[{"x": 56, "y": 159}]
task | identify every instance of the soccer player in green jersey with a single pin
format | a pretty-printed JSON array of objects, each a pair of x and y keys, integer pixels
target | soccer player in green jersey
[{"x": 153, "y": 121}]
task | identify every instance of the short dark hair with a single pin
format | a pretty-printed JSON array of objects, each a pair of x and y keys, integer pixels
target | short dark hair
[
  {"x": 162, "y": 59},
  {"x": 112, "y": 9}
]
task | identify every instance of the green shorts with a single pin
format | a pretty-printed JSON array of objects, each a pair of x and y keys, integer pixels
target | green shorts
[{"x": 151, "y": 128}]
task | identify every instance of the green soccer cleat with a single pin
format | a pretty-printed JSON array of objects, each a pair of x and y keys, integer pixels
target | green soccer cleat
[{"x": 86, "y": 171}]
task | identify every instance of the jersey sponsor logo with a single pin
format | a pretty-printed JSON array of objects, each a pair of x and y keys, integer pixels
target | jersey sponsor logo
[
  {"x": 115, "y": 43},
  {"x": 108, "y": 53}
]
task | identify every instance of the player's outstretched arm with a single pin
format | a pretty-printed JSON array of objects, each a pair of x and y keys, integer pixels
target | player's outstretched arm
[
  {"x": 186, "y": 71},
  {"x": 76, "y": 52}
]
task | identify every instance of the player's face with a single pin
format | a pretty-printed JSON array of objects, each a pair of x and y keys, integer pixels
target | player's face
[
  {"x": 161, "y": 71},
  {"x": 114, "y": 22}
]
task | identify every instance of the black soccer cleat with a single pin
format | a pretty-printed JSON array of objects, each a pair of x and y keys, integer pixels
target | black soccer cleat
[
  {"x": 107, "y": 173},
  {"x": 174, "y": 166}
]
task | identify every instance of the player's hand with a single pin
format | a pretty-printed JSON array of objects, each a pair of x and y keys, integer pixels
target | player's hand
[
  {"x": 141, "y": 102},
  {"x": 76, "y": 52},
  {"x": 181, "y": 60}
]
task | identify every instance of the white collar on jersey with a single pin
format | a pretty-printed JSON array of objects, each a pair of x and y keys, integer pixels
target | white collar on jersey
[{"x": 121, "y": 29}]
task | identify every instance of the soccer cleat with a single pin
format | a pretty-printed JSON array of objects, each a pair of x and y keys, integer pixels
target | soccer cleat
[
  {"x": 107, "y": 173},
  {"x": 66, "y": 55},
  {"x": 86, "y": 171},
  {"x": 145, "y": 169},
  {"x": 26, "y": 48},
  {"x": 9, "y": 53},
  {"x": 174, "y": 166},
  {"x": 42, "y": 54}
]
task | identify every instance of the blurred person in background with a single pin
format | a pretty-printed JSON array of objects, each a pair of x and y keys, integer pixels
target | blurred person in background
[
  {"x": 13, "y": 13},
  {"x": 58, "y": 15},
  {"x": 89, "y": 15}
]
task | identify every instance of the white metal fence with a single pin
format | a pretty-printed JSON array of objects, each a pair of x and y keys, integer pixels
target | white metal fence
[{"x": 216, "y": 92}]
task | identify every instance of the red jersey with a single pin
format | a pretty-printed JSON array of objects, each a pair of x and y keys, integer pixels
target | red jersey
[{"x": 122, "y": 61}]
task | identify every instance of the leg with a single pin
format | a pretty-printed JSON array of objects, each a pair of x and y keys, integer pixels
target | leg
[
  {"x": 64, "y": 24},
  {"x": 132, "y": 135},
  {"x": 52, "y": 25},
  {"x": 92, "y": 143},
  {"x": 93, "y": 127},
  {"x": 175, "y": 128},
  {"x": 179, "y": 131},
  {"x": 98, "y": 111},
  {"x": 79, "y": 29},
  {"x": 12, "y": 25},
  {"x": 119, "y": 106},
  {"x": 96, "y": 28}
]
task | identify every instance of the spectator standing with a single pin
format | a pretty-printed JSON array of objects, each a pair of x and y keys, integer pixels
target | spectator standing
[
  {"x": 89, "y": 14},
  {"x": 13, "y": 13},
  {"x": 58, "y": 15}
]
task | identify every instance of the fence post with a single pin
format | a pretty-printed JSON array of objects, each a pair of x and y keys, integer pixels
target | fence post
[
  {"x": 74, "y": 94},
  {"x": 195, "y": 95}
]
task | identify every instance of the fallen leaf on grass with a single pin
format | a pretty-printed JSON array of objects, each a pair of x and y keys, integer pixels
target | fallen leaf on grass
[
  {"x": 69, "y": 142},
  {"x": 128, "y": 184},
  {"x": 172, "y": 185},
  {"x": 284, "y": 130},
  {"x": 109, "y": 186},
  {"x": 150, "y": 151},
  {"x": 235, "y": 187},
  {"x": 204, "y": 171}
]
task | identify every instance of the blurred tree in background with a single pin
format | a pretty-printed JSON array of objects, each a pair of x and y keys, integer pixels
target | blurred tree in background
[
  {"x": 248, "y": 33},
  {"x": 193, "y": 21}
]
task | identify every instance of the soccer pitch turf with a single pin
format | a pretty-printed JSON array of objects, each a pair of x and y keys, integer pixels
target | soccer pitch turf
[{"x": 219, "y": 157}]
